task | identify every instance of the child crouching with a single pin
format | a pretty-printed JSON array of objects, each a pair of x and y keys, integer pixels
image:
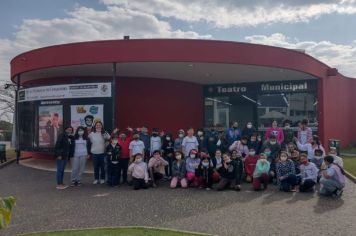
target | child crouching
[{"x": 139, "y": 172}]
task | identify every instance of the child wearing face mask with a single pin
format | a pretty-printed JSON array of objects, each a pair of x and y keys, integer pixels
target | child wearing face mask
[
  {"x": 286, "y": 176},
  {"x": 276, "y": 132},
  {"x": 249, "y": 130},
  {"x": 81, "y": 154},
  {"x": 156, "y": 166},
  {"x": 201, "y": 139},
  {"x": 288, "y": 134},
  {"x": 168, "y": 153},
  {"x": 155, "y": 141},
  {"x": 136, "y": 146},
  {"x": 250, "y": 164},
  {"x": 310, "y": 148},
  {"x": 139, "y": 173},
  {"x": 261, "y": 173},
  {"x": 178, "y": 141},
  {"x": 205, "y": 171},
  {"x": 179, "y": 171},
  {"x": 124, "y": 141},
  {"x": 192, "y": 162},
  {"x": 309, "y": 174},
  {"x": 227, "y": 171},
  {"x": 217, "y": 163},
  {"x": 240, "y": 146},
  {"x": 113, "y": 152},
  {"x": 189, "y": 142},
  {"x": 337, "y": 160},
  {"x": 236, "y": 158},
  {"x": 254, "y": 143}
]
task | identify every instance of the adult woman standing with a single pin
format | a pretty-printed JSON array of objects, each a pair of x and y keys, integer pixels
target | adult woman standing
[
  {"x": 81, "y": 151},
  {"x": 97, "y": 139},
  {"x": 64, "y": 150}
]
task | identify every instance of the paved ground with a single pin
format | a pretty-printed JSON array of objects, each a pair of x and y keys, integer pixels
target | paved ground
[{"x": 41, "y": 207}]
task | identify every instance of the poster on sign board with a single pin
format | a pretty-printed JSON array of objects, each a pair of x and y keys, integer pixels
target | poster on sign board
[
  {"x": 50, "y": 124},
  {"x": 86, "y": 115}
]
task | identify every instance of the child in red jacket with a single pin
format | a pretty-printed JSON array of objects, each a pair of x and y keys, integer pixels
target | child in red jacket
[
  {"x": 250, "y": 164},
  {"x": 124, "y": 141}
]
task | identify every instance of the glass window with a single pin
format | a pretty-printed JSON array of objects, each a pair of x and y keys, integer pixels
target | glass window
[{"x": 291, "y": 106}]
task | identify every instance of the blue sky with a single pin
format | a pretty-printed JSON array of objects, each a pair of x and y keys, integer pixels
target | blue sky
[{"x": 325, "y": 29}]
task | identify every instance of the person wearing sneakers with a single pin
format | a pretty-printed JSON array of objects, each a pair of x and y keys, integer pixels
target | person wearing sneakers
[
  {"x": 97, "y": 139},
  {"x": 80, "y": 155},
  {"x": 64, "y": 150},
  {"x": 333, "y": 178}
]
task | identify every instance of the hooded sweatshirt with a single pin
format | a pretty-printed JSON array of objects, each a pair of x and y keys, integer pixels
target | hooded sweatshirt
[{"x": 262, "y": 167}]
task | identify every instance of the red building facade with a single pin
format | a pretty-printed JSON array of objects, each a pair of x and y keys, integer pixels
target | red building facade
[{"x": 173, "y": 84}]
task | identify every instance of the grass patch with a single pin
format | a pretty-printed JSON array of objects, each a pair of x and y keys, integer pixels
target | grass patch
[
  {"x": 349, "y": 150},
  {"x": 10, "y": 154},
  {"x": 123, "y": 231},
  {"x": 350, "y": 164}
]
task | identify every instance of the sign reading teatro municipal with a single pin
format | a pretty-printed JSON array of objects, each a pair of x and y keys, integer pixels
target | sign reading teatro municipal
[{"x": 264, "y": 87}]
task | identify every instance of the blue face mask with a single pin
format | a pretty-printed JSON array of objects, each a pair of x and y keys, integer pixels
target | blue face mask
[{"x": 268, "y": 153}]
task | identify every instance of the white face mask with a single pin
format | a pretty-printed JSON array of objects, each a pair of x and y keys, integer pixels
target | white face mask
[
  {"x": 168, "y": 138},
  {"x": 200, "y": 133},
  {"x": 252, "y": 153},
  {"x": 205, "y": 164},
  {"x": 317, "y": 157},
  {"x": 114, "y": 141},
  {"x": 249, "y": 126},
  {"x": 181, "y": 135},
  {"x": 192, "y": 155},
  {"x": 273, "y": 142},
  {"x": 81, "y": 132},
  {"x": 178, "y": 157}
]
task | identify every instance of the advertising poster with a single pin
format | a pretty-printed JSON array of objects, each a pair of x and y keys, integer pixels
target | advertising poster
[
  {"x": 50, "y": 123},
  {"x": 86, "y": 115}
]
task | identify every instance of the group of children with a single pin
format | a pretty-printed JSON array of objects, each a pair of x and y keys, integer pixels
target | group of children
[{"x": 216, "y": 158}]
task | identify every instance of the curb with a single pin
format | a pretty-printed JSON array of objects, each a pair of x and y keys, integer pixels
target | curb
[
  {"x": 348, "y": 154},
  {"x": 2, "y": 165},
  {"x": 350, "y": 176}
]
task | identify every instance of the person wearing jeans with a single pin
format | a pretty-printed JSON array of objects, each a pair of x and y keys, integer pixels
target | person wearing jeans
[
  {"x": 333, "y": 178},
  {"x": 64, "y": 150},
  {"x": 97, "y": 138}
]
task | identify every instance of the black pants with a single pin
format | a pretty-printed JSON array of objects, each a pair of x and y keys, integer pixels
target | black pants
[
  {"x": 113, "y": 173},
  {"x": 307, "y": 186},
  {"x": 168, "y": 168},
  {"x": 123, "y": 166},
  {"x": 138, "y": 183}
]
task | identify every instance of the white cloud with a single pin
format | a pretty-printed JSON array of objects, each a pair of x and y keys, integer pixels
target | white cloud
[
  {"x": 342, "y": 57},
  {"x": 84, "y": 24},
  {"x": 229, "y": 13}
]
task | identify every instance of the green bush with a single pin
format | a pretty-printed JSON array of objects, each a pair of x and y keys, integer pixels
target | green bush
[{"x": 6, "y": 205}]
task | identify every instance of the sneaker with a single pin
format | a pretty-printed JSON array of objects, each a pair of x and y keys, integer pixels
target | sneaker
[
  {"x": 61, "y": 187},
  {"x": 79, "y": 183},
  {"x": 74, "y": 183},
  {"x": 102, "y": 181},
  {"x": 337, "y": 193},
  {"x": 96, "y": 181},
  {"x": 208, "y": 189}
]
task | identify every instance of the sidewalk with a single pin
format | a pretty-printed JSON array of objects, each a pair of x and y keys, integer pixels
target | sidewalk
[{"x": 50, "y": 165}]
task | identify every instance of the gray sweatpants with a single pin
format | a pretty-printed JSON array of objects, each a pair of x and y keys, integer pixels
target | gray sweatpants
[{"x": 78, "y": 167}]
